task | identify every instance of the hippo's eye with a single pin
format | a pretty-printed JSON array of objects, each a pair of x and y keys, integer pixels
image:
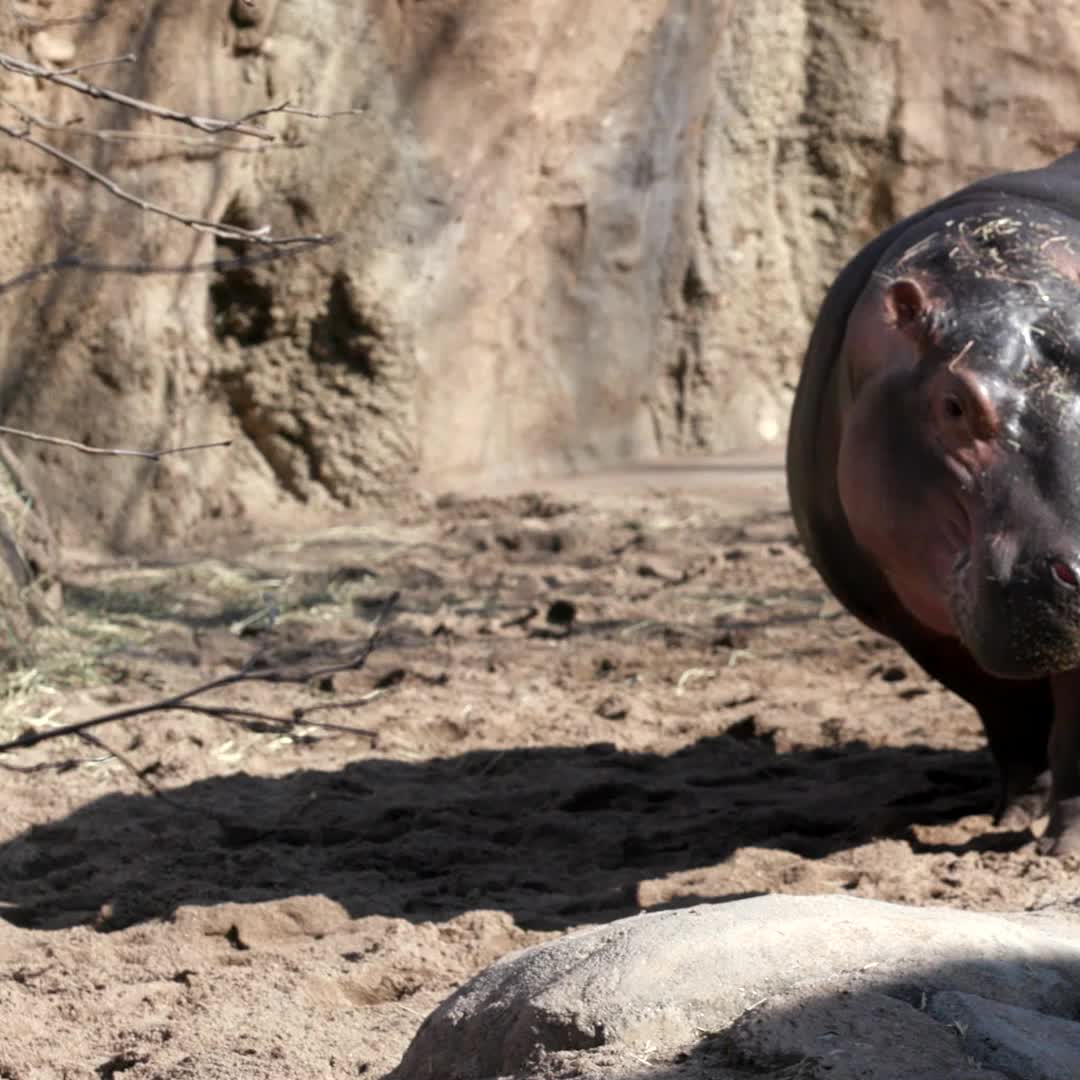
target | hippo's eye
[{"x": 954, "y": 407}]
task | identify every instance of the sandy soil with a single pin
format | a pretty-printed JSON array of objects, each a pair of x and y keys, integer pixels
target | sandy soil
[{"x": 616, "y": 697}]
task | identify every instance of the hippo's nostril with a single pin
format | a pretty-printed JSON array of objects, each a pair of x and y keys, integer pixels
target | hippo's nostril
[{"x": 1064, "y": 574}]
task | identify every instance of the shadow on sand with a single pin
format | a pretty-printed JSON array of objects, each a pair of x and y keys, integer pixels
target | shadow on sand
[{"x": 556, "y": 836}]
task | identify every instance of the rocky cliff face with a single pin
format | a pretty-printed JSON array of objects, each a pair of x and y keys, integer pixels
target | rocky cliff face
[{"x": 573, "y": 232}]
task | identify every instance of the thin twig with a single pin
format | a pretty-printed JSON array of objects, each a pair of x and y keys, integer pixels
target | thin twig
[
  {"x": 202, "y": 123},
  {"x": 42, "y": 766},
  {"x": 139, "y": 774},
  {"x": 151, "y": 455},
  {"x": 344, "y": 729},
  {"x": 127, "y": 58},
  {"x": 214, "y": 228},
  {"x": 295, "y": 110},
  {"x": 292, "y": 110},
  {"x": 182, "y": 701},
  {"x": 305, "y": 712},
  {"x": 206, "y": 143},
  {"x": 157, "y": 792},
  {"x": 255, "y": 720}
]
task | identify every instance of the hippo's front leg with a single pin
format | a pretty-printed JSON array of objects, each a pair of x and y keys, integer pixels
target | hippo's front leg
[
  {"x": 1062, "y": 835},
  {"x": 1017, "y": 726}
]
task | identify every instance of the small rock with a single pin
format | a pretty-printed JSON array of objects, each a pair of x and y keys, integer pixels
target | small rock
[
  {"x": 605, "y": 667},
  {"x": 662, "y": 571},
  {"x": 601, "y": 749},
  {"x": 732, "y": 639},
  {"x": 748, "y": 730},
  {"x": 561, "y": 613},
  {"x": 611, "y": 708}
]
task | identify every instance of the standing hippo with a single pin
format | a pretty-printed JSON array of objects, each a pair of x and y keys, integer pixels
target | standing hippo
[{"x": 934, "y": 464}]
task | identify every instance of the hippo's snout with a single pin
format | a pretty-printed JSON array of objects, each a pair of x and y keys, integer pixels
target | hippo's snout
[{"x": 1019, "y": 612}]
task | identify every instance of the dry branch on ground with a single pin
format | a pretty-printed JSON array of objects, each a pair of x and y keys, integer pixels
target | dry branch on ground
[{"x": 254, "y": 670}]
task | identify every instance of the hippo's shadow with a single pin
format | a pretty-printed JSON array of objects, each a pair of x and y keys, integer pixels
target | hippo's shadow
[{"x": 556, "y": 836}]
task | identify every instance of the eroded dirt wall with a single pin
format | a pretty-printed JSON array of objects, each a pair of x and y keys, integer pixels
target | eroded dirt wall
[
  {"x": 828, "y": 120},
  {"x": 574, "y": 233}
]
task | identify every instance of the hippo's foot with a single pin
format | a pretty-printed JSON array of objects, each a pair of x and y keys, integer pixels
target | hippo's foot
[
  {"x": 1023, "y": 798},
  {"x": 1062, "y": 836},
  {"x": 1018, "y": 813}
]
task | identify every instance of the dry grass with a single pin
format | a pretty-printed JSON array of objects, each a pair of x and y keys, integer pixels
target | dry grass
[{"x": 128, "y": 611}]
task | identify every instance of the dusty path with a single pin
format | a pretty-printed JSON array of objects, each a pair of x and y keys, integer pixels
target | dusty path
[{"x": 630, "y": 693}]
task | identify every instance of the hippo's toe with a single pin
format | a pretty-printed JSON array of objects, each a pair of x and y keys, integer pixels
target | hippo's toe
[{"x": 1062, "y": 836}]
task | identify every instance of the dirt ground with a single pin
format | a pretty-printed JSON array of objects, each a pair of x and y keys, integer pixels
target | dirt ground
[{"x": 584, "y": 704}]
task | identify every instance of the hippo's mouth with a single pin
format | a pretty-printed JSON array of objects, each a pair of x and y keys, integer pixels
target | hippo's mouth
[
  {"x": 1018, "y": 618},
  {"x": 958, "y": 591}
]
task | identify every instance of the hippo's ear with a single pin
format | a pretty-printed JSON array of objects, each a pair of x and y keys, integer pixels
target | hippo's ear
[{"x": 906, "y": 306}]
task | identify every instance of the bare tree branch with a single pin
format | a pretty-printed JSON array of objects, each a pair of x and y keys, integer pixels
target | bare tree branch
[
  {"x": 116, "y": 135},
  {"x": 250, "y": 672},
  {"x": 151, "y": 455},
  {"x": 202, "y": 123},
  {"x": 219, "y": 229}
]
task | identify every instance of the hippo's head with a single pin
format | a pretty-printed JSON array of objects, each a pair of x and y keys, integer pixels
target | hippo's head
[{"x": 960, "y": 462}]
